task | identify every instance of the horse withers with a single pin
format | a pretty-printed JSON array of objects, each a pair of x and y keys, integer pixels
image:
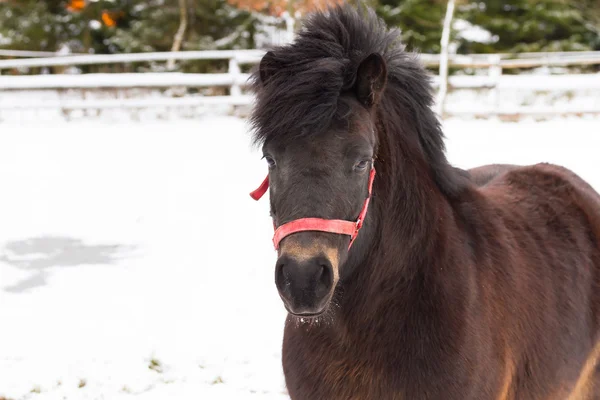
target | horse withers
[{"x": 406, "y": 278}]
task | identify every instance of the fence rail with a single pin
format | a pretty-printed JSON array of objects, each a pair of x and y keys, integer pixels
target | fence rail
[
  {"x": 240, "y": 56},
  {"x": 506, "y": 61},
  {"x": 102, "y": 104},
  {"x": 25, "y": 53},
  {"x": 236, "y": 81},
  {"x": 176, "y": 79},
  {"x": 132, "y": 80}
]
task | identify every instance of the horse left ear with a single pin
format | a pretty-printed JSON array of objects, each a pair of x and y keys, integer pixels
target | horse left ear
[{"x": 370, "y": 79}]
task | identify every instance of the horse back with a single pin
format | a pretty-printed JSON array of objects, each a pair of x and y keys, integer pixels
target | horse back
[
  {"x": 546, "y": 274},
  {"x": 481, "y": 176}
]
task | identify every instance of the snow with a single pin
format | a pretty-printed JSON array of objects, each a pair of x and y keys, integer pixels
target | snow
[
  {"x": 95, "y": 25},
  {"x": 118, "y": 248},
  {"x": 133, "y": 262},
  {"x": 473, "y": 33},
  {"x": 4, "y": 41}
]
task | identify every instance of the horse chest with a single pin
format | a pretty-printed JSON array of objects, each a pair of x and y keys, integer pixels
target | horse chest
[{"x": 317, "y": 367}]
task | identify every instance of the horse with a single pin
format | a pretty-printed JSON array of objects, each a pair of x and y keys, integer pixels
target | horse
[{"x": 403, "y": 276}]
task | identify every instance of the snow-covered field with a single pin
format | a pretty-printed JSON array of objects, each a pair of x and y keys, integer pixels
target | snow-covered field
[{"x": 133, "y": 263}]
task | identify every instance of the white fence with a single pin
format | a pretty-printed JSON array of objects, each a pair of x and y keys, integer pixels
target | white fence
[
  {"x": 492, "y": 79},
  {"x": 25, "y": 53}
]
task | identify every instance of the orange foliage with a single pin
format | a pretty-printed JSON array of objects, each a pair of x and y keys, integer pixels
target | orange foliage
[
  {"x": 110, "y": 18},
  {"x": 76, "y": 5},
  {"x": 278, "y": 7}
]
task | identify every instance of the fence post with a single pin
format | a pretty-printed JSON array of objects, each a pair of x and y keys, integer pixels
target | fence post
[
  {"x": 235, "y": 71},
  {"x": 495, "y": 72},
  {"x": 289, "y": 24},
  {"x": 443, "y": 89}
]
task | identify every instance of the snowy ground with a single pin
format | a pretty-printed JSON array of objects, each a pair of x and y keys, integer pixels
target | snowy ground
[{"x": 133, "y": 263}]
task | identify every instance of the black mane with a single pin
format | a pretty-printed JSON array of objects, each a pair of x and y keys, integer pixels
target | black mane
[{"x": 308, "y": 77}]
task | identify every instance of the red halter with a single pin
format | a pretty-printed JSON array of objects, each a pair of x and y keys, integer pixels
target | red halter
[{"x": 341, "y": 227}]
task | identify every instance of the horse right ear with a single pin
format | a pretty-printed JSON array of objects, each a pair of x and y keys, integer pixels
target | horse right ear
[{"x": 268, "y": 66}]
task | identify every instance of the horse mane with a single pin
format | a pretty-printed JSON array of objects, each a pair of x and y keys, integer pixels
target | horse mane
[{"x": 303, "y": 95}]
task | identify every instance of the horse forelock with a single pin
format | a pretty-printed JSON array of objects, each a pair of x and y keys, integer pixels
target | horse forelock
[{"x": 303, "y": 96}]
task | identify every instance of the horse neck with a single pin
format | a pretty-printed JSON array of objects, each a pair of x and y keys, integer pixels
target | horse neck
[{"x": 407, "y": 234}]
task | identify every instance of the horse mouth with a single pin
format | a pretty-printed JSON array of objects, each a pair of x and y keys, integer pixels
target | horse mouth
[{"x": 306, "y": 314}]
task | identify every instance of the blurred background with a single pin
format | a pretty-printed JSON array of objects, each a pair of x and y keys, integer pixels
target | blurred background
[
  {"x": 492, "y": 57},
  {"x": 125, "y": 160}
]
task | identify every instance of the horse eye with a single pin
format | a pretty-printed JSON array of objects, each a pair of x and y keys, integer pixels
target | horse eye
[
  {"x": 362, "y": 165},
  {"x": 270, "y": 161}
]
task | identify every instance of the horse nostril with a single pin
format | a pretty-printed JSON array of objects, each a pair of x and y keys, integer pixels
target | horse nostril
[
  {"x": 321, "y": 272},
  {"x": 325, "y": 276},
  {"x": 281, "y": 277}
]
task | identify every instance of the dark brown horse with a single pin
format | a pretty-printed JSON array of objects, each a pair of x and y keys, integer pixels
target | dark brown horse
[{"x": 480, "y": 284}]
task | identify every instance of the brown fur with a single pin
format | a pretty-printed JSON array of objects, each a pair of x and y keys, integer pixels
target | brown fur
[
  {"x": 525, "y": 326},
  {"x": 480, "y": 285},
  {"x": 586, "y": 384}
]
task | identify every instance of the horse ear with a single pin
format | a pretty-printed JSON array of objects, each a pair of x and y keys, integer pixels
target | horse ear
[
  {"x": 370, "y": 79},
  {"x": 268, "y": 66}
]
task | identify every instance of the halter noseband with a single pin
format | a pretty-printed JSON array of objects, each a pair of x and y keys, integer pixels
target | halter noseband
[{"x": 339, "y": 226}]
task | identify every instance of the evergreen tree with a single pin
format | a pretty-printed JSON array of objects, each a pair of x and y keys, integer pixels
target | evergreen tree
[
  {"x": 118, "y": 26},
  {"x": 151, "y": 26},
  {"x": 530, "y": 26},
  {"x": 216, "y": 24},
  {"x": 420, "y": 22},
  {"x": 125, "y": 26},
  {"x": 38, "y": 25},
  {"x": 122, "y": 26}
]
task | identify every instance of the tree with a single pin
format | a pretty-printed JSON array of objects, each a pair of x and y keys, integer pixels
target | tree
[
  {"x": 588, "y": 12},
  {"x": 420, "y": 22},
  {"x": 208, "y": 25},
  {"x": 37, "y": 25},
  {"x": 183, "y": 22},
  {"x": 127, "y": 26},
  {"x": 120, "y": 26},
  {"x": 114, "y": 26},
  {"x": 532, "y": 25}
]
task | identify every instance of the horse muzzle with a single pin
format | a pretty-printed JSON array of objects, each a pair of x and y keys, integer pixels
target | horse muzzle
[{"x": 306, "y": 276}]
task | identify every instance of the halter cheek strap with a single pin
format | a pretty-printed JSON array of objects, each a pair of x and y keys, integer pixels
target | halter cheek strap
[{"x": 342, "y": 227}]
